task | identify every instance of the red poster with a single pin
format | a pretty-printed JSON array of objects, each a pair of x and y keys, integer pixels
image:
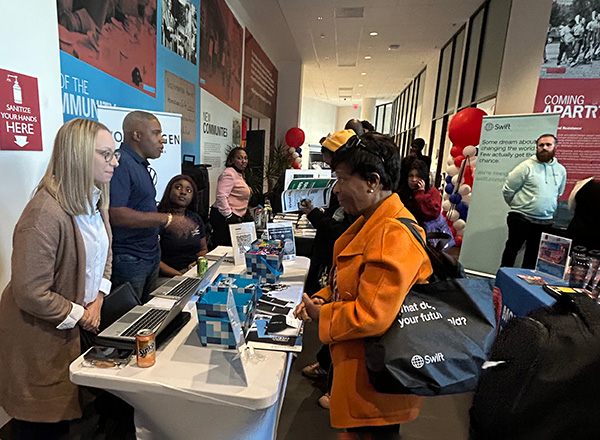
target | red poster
[
  {"x": 260, "y": 79},
  {"x": 570, "y": 85},
  {"x": 221, "y": 45},
  {"x": 20, "y": 126}
]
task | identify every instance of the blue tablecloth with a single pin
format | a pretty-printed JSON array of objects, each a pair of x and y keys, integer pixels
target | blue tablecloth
[{"x": 520, "y": 297}]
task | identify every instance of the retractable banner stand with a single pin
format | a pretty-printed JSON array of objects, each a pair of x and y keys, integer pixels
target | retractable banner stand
[
  {"x": 169, "y": 163},
  {"x": 505, "y": 142}
]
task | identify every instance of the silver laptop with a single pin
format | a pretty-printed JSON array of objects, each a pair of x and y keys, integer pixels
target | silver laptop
[{"x": 149, "y": 317}]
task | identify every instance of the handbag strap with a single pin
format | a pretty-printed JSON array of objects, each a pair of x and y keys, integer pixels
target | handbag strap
[{"x": 411, "y": 225}]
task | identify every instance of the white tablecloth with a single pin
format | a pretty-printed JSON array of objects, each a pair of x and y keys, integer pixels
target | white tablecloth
[{"x": 197, "y": 392}]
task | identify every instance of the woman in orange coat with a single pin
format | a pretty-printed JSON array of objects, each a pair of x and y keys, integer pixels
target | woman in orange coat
[{"x": 376, "y": 261}]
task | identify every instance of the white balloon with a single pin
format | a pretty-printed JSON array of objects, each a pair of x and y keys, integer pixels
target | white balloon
[
  {"x": 295, "y": 155},
  {"x": 460, "y": 232},
  {"x": 446, "y": 196},
  {"x": 459, "y": 224},
  {"x": 298, "y": 160},
  {"x": 452, "y": 170},
  {"x": 469, "y": 151},
  {"x": 473, "y": 161},
  {"x": 454, "y": 179},
  {"x": 453, "y": 215},
  {"x": 467, "y": 198},
  {"x": 450, "y": 161},
  {"x": 465, "y": 189},
  {"x": 446, "y": 205},
  {"x": 291, "y": 150}
]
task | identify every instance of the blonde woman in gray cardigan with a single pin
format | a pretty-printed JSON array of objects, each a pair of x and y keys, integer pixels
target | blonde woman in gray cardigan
[{"x": 60, "y": 272}]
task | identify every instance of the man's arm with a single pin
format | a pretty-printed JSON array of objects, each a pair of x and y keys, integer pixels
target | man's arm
[
  {"x": 180, "y": 225},
  {"x": 514, "y": 182},
  {"x": 130, "y": 218}
]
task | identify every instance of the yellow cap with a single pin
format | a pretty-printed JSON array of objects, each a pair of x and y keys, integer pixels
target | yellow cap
[{"x": 337, "y": 139}]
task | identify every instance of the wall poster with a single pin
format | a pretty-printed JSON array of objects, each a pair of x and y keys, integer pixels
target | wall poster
[
  {"x": 570, "y": 85},
  {"x": 221, "y": 40},
  {"x": 118, "y": 38}
]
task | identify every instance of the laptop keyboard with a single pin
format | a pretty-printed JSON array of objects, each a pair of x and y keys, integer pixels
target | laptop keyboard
[
  {"x": 181, "y": 289},
  {"x": 151, "y": 319}
]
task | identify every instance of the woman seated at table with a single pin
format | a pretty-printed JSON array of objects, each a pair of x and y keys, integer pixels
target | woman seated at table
[
  {"x": 178, "y": 253},
  {"x": 423, "y": 202},
  {"x": 61, "y": 266},
  {"x": 233, "y": 195},
  {"x": 376, "y": 261}
]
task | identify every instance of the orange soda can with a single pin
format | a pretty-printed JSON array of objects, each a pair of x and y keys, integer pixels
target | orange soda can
[{"x": 145, "y": 348}]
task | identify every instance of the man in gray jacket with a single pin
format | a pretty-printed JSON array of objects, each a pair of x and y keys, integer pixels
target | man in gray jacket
[{"x": 531, "y": 190}]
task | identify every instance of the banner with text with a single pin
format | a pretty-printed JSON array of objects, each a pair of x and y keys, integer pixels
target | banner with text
[
  {"x": 169, "y": 163},
  {"x": 505, "y": 142},
  {"x": 20, "y": 125},
  {"x": 216, "y": 127},
  {"x": 570, "y": 85}
]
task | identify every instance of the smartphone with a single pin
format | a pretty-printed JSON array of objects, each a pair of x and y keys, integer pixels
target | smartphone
[{"x": 108, "y": 354}]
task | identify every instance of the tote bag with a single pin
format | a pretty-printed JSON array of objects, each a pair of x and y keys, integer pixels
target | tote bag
[{"x": 440, "y": 338}]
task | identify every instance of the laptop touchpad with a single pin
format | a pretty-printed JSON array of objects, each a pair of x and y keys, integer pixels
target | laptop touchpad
[{"x": 130, "y": 317}]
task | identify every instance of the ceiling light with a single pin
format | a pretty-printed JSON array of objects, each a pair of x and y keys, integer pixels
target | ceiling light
[
  {"x": 364, "y": 73},
  {"x": 360, "y": 85},
  {"x": 368, "y": 57},
  {"x": 319, "y": 18},
  {"x": 326, "y": 58},
  {"x": 322, "y": 35},
  {"x": 373, "y": 34}
]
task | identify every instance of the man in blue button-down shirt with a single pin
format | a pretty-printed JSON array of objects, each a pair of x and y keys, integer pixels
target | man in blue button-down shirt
[{"x": 133, "y": 217}]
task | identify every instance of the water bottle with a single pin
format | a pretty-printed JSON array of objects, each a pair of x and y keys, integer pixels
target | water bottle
[
  {"x": 268, "y": 212},
  {"x": 594, "y": 258},
  {"x": 579, "y": 266}
]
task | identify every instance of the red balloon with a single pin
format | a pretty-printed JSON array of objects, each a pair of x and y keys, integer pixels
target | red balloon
[
  {"x": 456, "y": 151},
  {"x": 294, "y": 137},
  {"x": 296, "y": 165},
  {"x": 444, "y": 214},
  {"x": 458, "y": 240},
  {"x": 458, "y": 160},
  {"x": 453, "y": 230},
  {"x": 468, "y": 176},
  {"x": 450, "y": 223},
  {"x": 465, "y": 127}
]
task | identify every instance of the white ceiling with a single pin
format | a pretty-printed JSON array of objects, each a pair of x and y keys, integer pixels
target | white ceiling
[{"x": 333, "y": 48}]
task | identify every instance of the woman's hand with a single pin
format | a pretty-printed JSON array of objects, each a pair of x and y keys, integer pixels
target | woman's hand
[
  {"x": 305, "y": 206},
  {"x": 94, "y": 309},
  {"x": 309, "y": 308},
  {"x": 421, "y": 184}
]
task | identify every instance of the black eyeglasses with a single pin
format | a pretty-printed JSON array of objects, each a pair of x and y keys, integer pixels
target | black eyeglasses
[
  {"x": 355, "y": 142},
  {"x": 108, "y": 155}
]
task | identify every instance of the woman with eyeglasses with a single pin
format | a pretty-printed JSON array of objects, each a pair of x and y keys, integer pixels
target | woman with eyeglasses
[
  {"x": 178, "y": 253},
  {"x": 60, "y": 272},
  {"x": 233, "y": 196},
  {"x": 376, "y": 261}
]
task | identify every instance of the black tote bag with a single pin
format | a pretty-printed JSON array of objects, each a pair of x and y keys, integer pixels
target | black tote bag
[{"x": 439, "y": 340}]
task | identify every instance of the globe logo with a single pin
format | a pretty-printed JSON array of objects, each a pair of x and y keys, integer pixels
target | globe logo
[
  {"x": 489, "y": 126},
  {"x": 417, "y": 361}
]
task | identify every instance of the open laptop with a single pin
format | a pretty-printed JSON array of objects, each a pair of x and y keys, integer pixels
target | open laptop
[
  {"x": 179, "y": 286},
  {"x": 155, "y": 318}
]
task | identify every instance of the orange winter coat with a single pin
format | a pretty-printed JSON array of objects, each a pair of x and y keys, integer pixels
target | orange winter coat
[{"x": 375, "y": 264}]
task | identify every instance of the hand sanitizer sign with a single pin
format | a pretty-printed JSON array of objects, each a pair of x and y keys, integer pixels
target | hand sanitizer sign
[{"x": 20, "y": 126}]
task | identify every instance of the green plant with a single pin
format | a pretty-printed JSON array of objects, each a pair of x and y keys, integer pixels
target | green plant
[{"x": 279, "y": 161}]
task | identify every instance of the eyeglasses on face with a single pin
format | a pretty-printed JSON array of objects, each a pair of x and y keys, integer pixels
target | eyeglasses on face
[
  {"x": 108, "y": 155},
  {"x": 355, "y": 142}
]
